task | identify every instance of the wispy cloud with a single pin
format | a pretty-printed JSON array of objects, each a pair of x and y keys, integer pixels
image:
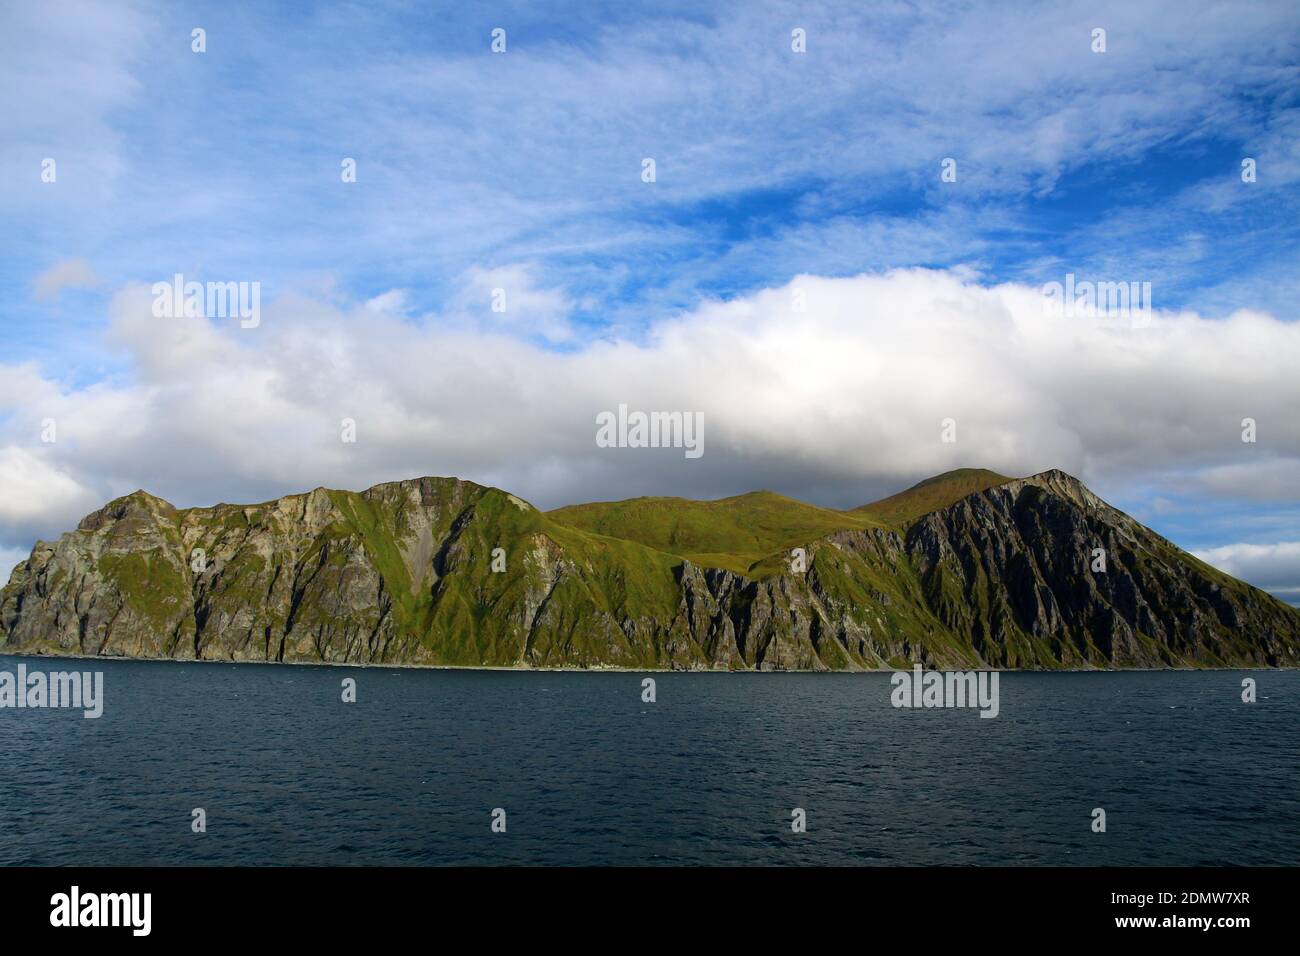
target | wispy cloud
[
  {"x": 70, "y": 274},
  {"x": 766, "y": 158}
]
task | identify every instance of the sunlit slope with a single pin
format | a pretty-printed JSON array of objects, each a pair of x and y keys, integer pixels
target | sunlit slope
[
  {"x": 931, "y": 495},
  {"x": 731, "y": 533},
  {"x": 761, "y": 527}
]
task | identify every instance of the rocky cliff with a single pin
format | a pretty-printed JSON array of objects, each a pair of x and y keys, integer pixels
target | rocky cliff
[{"x": 442, "y": 571}]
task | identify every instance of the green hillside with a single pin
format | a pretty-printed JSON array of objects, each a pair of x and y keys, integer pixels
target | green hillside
[
  {"x": 732, "y": 533},
  {"x": 931, "y": 495},
  {"x": 746, "y": 531}
]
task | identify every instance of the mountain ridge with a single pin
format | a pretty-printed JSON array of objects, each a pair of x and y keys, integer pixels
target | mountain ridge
[{"x": 965, "y": 569}]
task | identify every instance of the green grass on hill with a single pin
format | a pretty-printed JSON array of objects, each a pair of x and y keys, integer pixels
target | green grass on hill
[
  {"x": 732, "y": 533},
  {"x": 741, "y": 532},
  {"x": 931, "y": 495}
]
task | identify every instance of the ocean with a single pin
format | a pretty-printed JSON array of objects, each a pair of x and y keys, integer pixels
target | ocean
[{"x": 578, "y": 769}]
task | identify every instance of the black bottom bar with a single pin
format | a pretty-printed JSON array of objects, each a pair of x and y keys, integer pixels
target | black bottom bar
[{"x": 331, "y": 906}]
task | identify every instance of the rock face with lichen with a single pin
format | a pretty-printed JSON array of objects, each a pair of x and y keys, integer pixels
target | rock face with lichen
[{"x": 965, "y": 571}]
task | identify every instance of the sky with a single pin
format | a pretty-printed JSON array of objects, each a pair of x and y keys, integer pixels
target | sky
[{"x": 799, "y": 270}]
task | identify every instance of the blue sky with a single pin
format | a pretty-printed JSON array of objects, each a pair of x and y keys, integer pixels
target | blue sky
[{"x": 523, "y": 170}]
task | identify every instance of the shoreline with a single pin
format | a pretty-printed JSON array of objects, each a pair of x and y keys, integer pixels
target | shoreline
[{"x": 615, "y": 669}]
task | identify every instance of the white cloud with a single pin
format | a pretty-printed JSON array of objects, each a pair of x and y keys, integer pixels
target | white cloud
[
  {"x": 38, "y": 493},
  {"x": 1263, "y": 479},
  {"x": 69, "y": 274},
  {"x": 23, "y": 385},
  {"x": 393, "y": 301},
  {"x": 1274, "y": 567},
  {"x": 508, "y": 299}
]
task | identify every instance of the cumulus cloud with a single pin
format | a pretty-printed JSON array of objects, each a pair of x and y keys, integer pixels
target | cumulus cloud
[{"x": 38, "y": 493}]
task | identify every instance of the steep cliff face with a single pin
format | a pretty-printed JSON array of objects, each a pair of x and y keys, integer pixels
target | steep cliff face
[
  {"x": 441, "y": 571},
  {"x": 1013, "y": 569}
]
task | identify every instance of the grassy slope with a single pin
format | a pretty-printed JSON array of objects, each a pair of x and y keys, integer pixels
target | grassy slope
[
  {"x": 931, "y": 495},
  {"x": 476, "y": 607},
  {"x": 752, "y": 534},
  {"x": 742, "y": 533},
  {"x": 732, "y": 533}
]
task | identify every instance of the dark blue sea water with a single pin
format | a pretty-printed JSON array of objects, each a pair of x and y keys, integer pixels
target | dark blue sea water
[{"x": 589, "y": 774}]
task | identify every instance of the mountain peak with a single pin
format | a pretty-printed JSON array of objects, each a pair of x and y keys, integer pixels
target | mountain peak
[
  {"x": 963, "y": 474},
  {"x": 1063, "y": 484},
  {"x": 138, "y": 503},
  {"x": 1054, "y": 475}
]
